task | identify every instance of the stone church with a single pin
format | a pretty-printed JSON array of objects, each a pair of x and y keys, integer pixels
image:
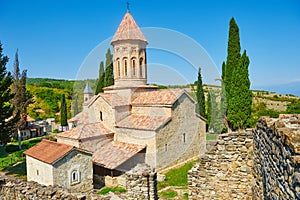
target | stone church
[{"x": 131, "y": 122}]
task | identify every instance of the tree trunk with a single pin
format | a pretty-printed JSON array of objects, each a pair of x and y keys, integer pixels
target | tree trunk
[{"x": 19, "y": 139}]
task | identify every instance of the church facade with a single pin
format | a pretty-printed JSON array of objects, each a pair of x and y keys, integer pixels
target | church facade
[{"x": 132, "y": 122}]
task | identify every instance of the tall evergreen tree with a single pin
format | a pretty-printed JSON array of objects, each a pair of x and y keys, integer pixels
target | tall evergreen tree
[
  {"x": 236, "y": 82},
  {"x": 7, "y": 117},
  {"x": 109, "y": 76},
  {"x": 200, "y": 95},
  {"x": 241, "y": 103},
  {"x": 22, "y": 97},
  {"x": 63, "y": 111},
  {"x": 101, "y": 79}
]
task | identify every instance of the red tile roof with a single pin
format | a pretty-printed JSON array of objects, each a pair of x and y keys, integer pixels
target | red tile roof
[
  {"x": 143, "y": 122},
  {"x": 48, "y": 151},
  {"x": 113, "y": 154},
  {"x": 85, "y": 131},
  {"x": 128, "y": 30},
  {"x": 159, "y": 97}
]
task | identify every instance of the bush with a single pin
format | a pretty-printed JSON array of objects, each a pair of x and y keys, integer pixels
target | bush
[{"x": 10, "y": 148}]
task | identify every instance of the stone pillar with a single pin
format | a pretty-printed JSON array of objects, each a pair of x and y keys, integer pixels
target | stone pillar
[{"x": 141, "y": 183}]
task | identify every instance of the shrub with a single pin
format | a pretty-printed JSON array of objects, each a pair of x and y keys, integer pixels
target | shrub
[{"x": 10, "y": 148}]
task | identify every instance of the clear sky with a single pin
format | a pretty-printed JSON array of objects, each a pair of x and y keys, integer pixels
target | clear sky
[{"x": 55, "y": 36}]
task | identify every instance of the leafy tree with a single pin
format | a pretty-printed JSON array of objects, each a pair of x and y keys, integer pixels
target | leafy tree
[
  {"x": 101, "y": 79},
  {"x": 63, "y": 111},
  {"x": 22, "y": 97},
  {"x": 200, "y": 95},
  {"x": 109, "y": 76},
  {"x": 7, "y": 119},
  {"x": 236, "y": 82}
]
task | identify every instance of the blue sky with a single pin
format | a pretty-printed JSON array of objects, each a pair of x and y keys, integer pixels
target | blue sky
[{"x": 55, "y": 36}]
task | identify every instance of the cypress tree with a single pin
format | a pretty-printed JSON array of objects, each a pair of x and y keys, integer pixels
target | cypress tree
[
  {"x": 75, "y": 108},
  {"x": 22, "y": 98},
  {"x": 109, "y": 76},
  {"x": 101, "y": 79},
  {"x": 241, "y": 104},
  {"x": 63, "y": 111},
  {"x": 238, "y": 101},
  {"x": 7, "y": 117},
  {"x": 200, "y": 95}
]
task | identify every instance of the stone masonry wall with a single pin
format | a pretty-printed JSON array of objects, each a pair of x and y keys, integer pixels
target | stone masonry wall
[
  {"x": 277, "y": 158},
  {"x": 140, "y": 184},
  {"x": 225, "y": 171}
]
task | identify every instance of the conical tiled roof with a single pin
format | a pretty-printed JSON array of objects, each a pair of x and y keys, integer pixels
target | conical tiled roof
[
  {"x": 88, "y": 89},
  {"x": 128, "y": 30}
]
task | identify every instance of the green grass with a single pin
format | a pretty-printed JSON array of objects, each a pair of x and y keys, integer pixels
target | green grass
[
  {"x": 185, "y": 196},
  {"x": 168, "y": 194},
  {"x": 12, "y": 160},
  {"x": 106, "y": 190},
  {"x": 177, "y": 176},
  {"x": 211, "y": 136}
]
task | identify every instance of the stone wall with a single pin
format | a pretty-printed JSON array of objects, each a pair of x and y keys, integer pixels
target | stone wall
[
  {"x": 141, "y": 183},
  {"x": 225, "y": 171},
  {"x": 277, "y": 158}
]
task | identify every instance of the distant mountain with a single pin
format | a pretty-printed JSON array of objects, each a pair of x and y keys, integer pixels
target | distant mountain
[{"x": 287, "y": 88}]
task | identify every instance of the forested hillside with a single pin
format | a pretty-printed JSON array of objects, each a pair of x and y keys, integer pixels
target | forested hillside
[{"x": 47, "y": 94}]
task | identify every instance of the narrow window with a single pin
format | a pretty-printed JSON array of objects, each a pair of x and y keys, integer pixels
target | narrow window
[
  {"x": 141, "y": 67},
  {"x": 133, "y": 67},
  {"x": 75, "y": 176},
  {"x": 37, "y": 172},
  {"x": 166, "y": 147},
  {"x": 101, "y": 116},
  {"x": 119, "y": 71},
  {"x": 183, "y": 137},
  {"x": 125, "y": 67}
]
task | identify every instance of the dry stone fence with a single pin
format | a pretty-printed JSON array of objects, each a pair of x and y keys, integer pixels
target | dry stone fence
[{"x": 261, "y": 164}]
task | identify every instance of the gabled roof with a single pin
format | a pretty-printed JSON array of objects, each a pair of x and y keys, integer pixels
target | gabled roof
[
  {"x": 159, "y": 97},
  {"x": 143, "y": 122},
  {"x": 128, "y": 30},
  {"x": 48, "y": 151},
  {"x": 113, "y": 154}
]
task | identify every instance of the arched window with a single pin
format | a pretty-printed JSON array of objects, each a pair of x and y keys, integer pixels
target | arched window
[
  {"x": 133, "y": 67},
  {"x": 125, "y": 67},
  {"x": 75, "y": 176},
  {"x": 119, "y": 71},
  {"x": 141, "y": 67}
]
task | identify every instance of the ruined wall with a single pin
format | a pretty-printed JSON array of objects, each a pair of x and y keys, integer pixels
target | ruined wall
[
  {"x": 277, "y": 158},
  {"x": 225, "y": 171},
  {"x": 141, "y": 183}
]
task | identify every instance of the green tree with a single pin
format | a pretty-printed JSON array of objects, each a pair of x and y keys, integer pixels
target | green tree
[
  {"x": 7, "y": 119},
  {"x": 22, "y": 98},
  {"x": 200, "y": 95},
  {"x": 101, "y": 79},
  {"x": 109, "y": 76},
  {"x": 75, "y": 108},
  {"x": 63, "y": 111},
  {"x": 236, "y": 82}
]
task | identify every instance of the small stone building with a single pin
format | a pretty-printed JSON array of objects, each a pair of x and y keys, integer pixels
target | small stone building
[{"x": 52, "y": 163}]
